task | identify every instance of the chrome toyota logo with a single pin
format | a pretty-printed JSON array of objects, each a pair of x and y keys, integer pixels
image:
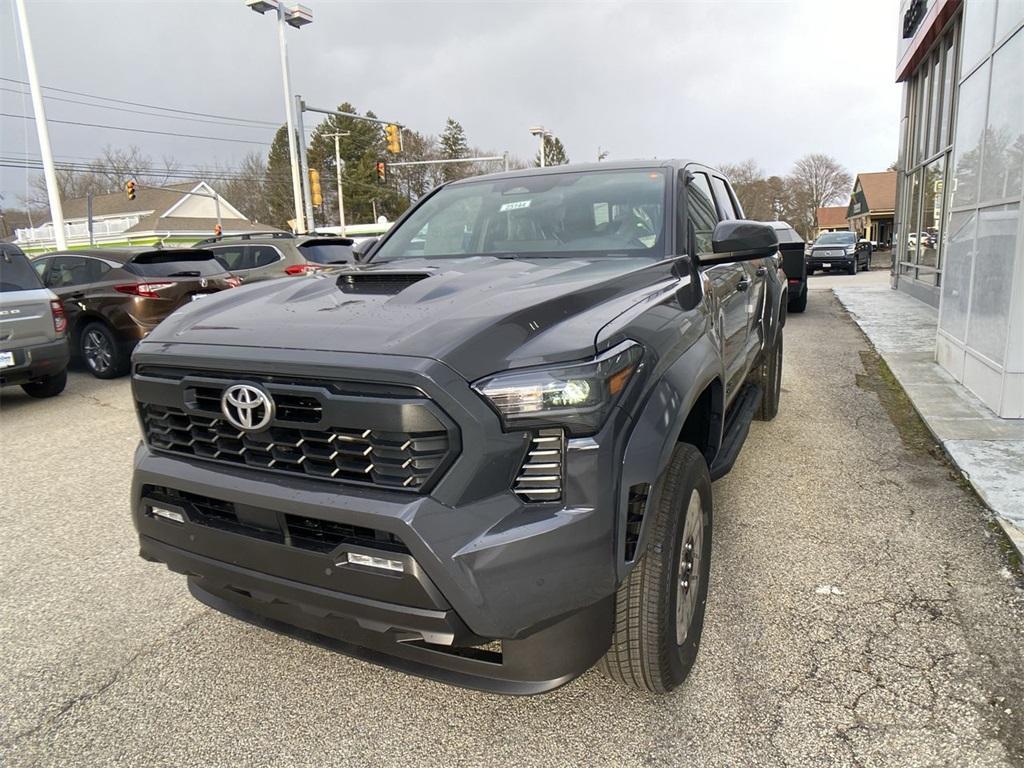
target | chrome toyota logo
[{"x": 247, "y": 407}]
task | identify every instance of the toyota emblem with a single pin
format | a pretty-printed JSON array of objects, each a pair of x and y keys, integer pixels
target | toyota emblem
[{"x": 247, "y": 407}]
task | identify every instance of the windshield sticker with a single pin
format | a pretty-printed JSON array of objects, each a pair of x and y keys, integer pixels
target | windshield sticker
[{"x": 514, "y": 206}]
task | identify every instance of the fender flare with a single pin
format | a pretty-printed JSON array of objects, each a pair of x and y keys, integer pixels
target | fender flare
[{"x": 656, "y": 431}]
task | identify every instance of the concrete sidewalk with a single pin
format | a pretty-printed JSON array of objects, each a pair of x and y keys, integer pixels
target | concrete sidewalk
[{"x": 988, "y": 450}]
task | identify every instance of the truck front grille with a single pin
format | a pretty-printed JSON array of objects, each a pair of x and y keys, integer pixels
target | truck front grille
[
  {"x": 403, "y": 460},
  {"x": 540, "y": 478}
]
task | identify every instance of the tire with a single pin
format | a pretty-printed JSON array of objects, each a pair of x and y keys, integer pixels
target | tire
[
  {"x": 867, "y": 263},
  {"x": 658, "y": 619},
  {"x": 769, "y": 377},
  {"x": 852, "y": 269},
  {"x": 101, "y": 352},
  {"x": 48, "y": 386},
  {"x": 799, "y": 304}
]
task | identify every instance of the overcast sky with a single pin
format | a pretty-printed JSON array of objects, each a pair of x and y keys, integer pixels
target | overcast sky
[{"x": 716, "y": 81}]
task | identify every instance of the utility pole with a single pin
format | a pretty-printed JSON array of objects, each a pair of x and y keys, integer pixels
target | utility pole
[
  {"x": 307, "y": 193},
  {"x": 43, "y": 133},
  {"x": 543, "y": 133},
  {"x": 339, "y": 166},
  {"x": 88, "y": 215}
]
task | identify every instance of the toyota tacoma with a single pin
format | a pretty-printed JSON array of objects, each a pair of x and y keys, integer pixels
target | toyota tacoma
[{"x": 484, "y": 452}]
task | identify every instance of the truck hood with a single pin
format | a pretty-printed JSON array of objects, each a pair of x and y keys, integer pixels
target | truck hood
[{"x": 478, "y": 315}]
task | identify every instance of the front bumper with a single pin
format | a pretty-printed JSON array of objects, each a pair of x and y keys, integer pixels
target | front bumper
[
  {"x": 837, "y": 262},
  {"x": 479, "y": 566},
  {"x": 36, "y": 361}
]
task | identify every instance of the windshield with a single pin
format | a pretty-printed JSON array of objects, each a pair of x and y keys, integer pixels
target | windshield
[
  {"x": 607, "y": 213},
  {"x": 178, "y": 263},
  {"x": 327, "y": 253},
  {"x": 16, "y": 273},
  {"x": 837, "y": 238}
]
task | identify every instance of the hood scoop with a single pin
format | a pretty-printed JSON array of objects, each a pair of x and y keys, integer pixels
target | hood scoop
[{"x": 383, "y": 282}]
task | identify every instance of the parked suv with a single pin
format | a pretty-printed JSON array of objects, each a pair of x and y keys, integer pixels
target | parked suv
[
  {"x": 262, "y": 256},
  {"x": 839, "y": 250},
  {"x": 484, "y": 454},
  {"x": 114, "y": 297},
  {"x": 33, "y": 343}
]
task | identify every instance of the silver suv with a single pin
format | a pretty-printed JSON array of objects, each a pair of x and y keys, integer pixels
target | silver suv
[
  {"x": 265, "y": 255},
  {"x": 33, "y": 341}
]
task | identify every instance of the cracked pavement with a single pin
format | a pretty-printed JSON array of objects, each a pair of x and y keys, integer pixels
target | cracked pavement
[{"x": 862, "y": 611}]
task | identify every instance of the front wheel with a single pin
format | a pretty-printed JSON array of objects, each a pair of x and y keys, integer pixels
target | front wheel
[
  {"x": 48, "y": 386},
  {"x": 659, "y": 609}
]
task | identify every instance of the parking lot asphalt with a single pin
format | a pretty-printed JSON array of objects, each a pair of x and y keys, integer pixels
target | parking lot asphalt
[{"x": 862, "y": 611}]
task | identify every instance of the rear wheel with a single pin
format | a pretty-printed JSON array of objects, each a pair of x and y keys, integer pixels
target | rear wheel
[
  {"x": 101, "y": 352},
  {"x": 659, "y": 609},
  {"x": 799, "y": 304},
  {"x": 769, "y": 377},
  {"x": 48, "y": 386}
]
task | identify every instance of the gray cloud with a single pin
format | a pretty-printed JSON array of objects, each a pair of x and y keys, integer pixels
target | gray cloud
[{"x": 719, "y": 81}]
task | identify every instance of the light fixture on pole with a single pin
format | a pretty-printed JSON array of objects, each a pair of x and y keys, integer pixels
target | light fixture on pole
[
  {"x": 296, "y": 16},
  {"x": 544, "y": 133}
]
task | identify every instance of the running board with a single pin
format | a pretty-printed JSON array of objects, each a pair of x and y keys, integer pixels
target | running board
[{"x": 737, "y": 424}]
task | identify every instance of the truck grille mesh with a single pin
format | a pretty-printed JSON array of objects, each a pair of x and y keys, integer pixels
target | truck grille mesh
[
  {"x": 540, "y": 478},
  {"x": 400, "y": 460}
]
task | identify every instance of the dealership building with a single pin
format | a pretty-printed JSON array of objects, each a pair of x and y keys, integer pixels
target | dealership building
[{"x": 958, "y": 222}]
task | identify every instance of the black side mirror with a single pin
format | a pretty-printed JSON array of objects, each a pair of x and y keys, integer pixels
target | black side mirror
[
  {"x": 741, "y": 240},
  {"x": 361, "y": 250}
]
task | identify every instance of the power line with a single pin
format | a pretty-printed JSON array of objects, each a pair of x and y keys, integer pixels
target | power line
[
  {"x": 148, "y": 106},
  {"x": 140, "y": 130},
  {"x": 139, "y": 111}
]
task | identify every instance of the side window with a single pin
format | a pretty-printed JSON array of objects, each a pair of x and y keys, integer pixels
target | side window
[
  {"x": 702, "y": 216},
  {"x": 94, "y": 270},
  {"x": 261, "y": 256},
  {"x": 40, "y": 265},
  {"x": 723, "y": 198},
  {"x": 67, "y": 271},
  {"x": 232, "y": 258}
]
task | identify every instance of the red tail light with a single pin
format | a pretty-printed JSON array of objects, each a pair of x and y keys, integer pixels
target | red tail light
[
  {"x": 60, "y": 320},
  {"x": 233, "y": 282},
  {"x": 302, "y": 269},
  {"x": 794, "y": 281},
  {"x": 145, "y": 290}
]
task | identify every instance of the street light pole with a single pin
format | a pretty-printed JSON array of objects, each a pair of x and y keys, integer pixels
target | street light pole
[
  {"x": 543, "y": 132},
  {"x": 42, "y": 132},
  {"x": 293, "y": 154},
  {"x": 339, "y": 166}
]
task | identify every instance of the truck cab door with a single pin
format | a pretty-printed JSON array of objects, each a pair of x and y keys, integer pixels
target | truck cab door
[{"x": 729, "y": 283}]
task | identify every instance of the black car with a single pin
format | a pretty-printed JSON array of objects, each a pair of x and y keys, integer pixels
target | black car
[
  {"x": 839, "y": 250},
  {"x": 485, "y": 453}
]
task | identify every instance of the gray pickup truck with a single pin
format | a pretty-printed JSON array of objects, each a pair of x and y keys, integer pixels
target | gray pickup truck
[
  {"x": 33, "y": 329},
  {"x": 484, "y": 453}
]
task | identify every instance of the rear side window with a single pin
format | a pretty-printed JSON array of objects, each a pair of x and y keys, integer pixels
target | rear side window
[
  {"x": 262, "y": 256},
  {"x": 723, "y": 199},
  {"x": 239, "y": 258},
  {"x": 327, "y": 253},
  {"x": 175, "y": 263},
  {"x": 67, "y": 271},
  {"x": 16, "y": 273}
]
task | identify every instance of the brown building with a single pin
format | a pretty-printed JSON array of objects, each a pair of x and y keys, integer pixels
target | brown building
[
  {"x": 831, "y": 219},
  {"x": 873, "y": 207}
]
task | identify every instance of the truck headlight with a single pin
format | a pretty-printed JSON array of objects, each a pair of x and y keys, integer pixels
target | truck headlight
[
  {"x": 851, "y": 250},
  {"x": 578, "y": 396}
]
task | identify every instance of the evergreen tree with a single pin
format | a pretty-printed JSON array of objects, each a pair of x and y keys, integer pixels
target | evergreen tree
[
  {"x": 454, "y": 145},
  {"x": 278, "y": 184},
  {"x": 554, "y": 152}
]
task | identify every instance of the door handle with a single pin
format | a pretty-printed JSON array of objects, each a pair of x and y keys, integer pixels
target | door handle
[
  {"x": 762, "y": 271},
  {"x": 743, "y": 284}
]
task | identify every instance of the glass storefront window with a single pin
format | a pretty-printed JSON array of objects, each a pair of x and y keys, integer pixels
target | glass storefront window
[
  {"x": 1003, "y": 162},
  {"x": 936, "y": 106},
  {"x": 1011, "y": 13},
  {"x": 912, "y": 226},
  {"x": 929, "y": 235},
  {"x": 949, "y": 72},
  {"x": 995, "y": 253},
  {"x": 979, "y": 22},
  {"x": 921, "y": 134},
  {"x": 969, "y": 131},
  {"x": 956, "y": 275}
]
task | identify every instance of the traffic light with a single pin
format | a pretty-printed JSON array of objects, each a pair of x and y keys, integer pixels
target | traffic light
[
  {"x": 314, "y": 187},
  {"x": 393, "y": 133},
  {"x": 382, "y": 172},
  {"x": 129, "y": 188}
]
